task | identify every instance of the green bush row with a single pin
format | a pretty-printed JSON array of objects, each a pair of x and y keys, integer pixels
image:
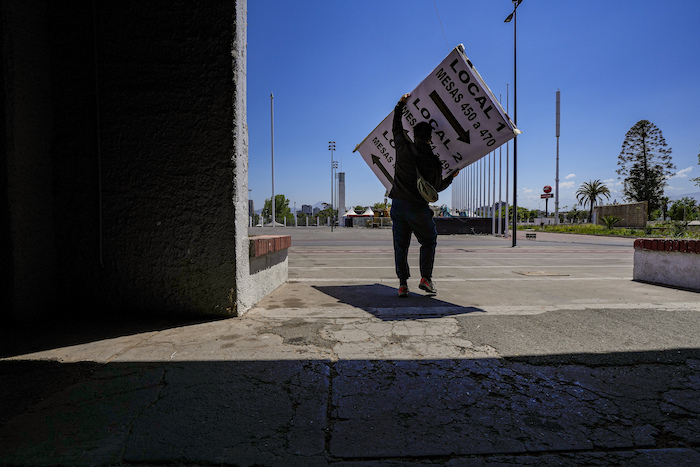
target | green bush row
[{"x": 673, "y": 229}]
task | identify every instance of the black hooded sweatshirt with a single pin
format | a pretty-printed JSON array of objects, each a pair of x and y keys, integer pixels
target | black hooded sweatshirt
[{"x": 405, "y": 179}]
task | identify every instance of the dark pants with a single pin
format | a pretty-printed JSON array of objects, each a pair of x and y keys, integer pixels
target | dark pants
[{"x": 408, "y": 218}]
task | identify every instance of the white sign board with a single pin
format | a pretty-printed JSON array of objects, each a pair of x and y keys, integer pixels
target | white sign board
[{"x": 468, "y": 122}]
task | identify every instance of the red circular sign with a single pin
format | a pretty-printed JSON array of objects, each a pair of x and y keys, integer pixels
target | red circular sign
[{"x": 547, "y": 189}]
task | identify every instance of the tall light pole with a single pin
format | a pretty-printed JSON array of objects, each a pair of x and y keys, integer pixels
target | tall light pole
[
  {"x": 514, "y": 17},
  {"x": 251, "y": 212},
  {"x": 505, "y": 231},
  {"x": 331, "y": 148},
  {"x": 493, "y": 190},
  {"x": 556, "y": 188},
  {"x": 272, "y": 147}
]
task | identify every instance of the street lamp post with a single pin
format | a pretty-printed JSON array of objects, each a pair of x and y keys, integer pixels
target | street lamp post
[
  {"x": 514, "y": 17},
  {"x": 331, "y": 148},
  {"x": 251, "y": 213},
  {"x": 272, "y": 150},
  {"x": 505, "y": 223}
]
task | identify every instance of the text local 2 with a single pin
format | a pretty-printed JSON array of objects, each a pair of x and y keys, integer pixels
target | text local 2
[{"x": 450, "y": 83}]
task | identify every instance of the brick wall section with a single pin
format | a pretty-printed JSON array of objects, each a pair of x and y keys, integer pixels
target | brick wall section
[
  {"x": 263, "y": 244},
  {"x": 631, "y": 215},
  {"x": 655, "y": 244}
]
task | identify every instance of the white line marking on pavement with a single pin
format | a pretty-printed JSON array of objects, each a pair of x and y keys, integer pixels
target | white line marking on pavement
[
  {"x": 351, "y": 313},
  {"x": 511, "y": 266},
  {"x": 454, "y": 279}
]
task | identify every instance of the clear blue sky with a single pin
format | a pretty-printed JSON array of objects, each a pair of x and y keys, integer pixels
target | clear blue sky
[{"x": 337, "y": 69}]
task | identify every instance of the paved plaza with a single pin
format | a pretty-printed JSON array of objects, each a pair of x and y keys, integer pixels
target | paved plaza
[{"x": 543, "y": 354}]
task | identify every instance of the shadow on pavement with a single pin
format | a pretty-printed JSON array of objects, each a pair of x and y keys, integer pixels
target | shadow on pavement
[
  {"x": 24, "y": 339},
  {"x": 643, "y": 409},
  {"x": 383, "y": 302}
]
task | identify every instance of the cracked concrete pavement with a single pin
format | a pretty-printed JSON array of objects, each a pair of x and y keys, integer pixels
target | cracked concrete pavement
[{"x": 501, "y": 368}]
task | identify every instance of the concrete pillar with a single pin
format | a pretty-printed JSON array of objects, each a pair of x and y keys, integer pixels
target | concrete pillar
[{"x": 126, "y": 147}]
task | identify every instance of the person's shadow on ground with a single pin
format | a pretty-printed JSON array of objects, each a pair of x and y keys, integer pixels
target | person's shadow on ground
[{"x": 383, "y": 302}]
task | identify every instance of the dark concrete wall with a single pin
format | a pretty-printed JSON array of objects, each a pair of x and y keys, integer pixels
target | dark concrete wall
[
  {"x": 74, "y": 155},
  {"x": 119, "y": 156},
  {"x": 28, "y": 187}
]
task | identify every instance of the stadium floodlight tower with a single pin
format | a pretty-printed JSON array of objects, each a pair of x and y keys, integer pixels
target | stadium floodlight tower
[{"x": 331, "y": 148}]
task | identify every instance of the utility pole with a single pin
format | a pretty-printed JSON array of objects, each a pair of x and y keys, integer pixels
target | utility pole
[
  {"x": 556, "y": 179},
  {"x": 272, "y": 147}
]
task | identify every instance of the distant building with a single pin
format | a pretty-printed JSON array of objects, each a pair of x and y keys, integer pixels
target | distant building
[{"x": 306, "y": 209}]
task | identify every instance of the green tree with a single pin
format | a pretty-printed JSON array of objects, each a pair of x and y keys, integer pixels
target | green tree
[
  {"x": 562, "y": 217},
  {"x": 574, "y": 214},
  {"x": 381, "y": 207},
  {"x": 523, "y": 214},
  {"x": 281, "y": 209},
  {"x": 645, "y": 164},
  {"x": 664, "y": 206},
  {"x": 680, "y": 228},
  {"x": 589, "y": 193},
  {"x": 684, "y": 209},
  {"x": 501, "y": 212},
  {"x": 697, "y": 179},
  {"x": 327, "y": 212}
]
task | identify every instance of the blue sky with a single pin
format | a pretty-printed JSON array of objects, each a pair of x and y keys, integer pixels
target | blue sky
[{"x": 337, "y": 69}]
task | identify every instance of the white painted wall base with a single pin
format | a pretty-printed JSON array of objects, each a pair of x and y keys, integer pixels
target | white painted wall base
[
  {"x": 266, "y": 273},
  {"x": 673, "y": 268}
]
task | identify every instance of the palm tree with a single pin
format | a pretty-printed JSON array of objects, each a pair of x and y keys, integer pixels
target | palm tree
[{"x": 589, "y": 192}]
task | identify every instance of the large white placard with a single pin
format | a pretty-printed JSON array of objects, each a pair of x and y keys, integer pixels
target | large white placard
[{"x": 468, "y": 121}]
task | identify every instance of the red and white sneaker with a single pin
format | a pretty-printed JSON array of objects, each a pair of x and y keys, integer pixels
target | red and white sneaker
[
  {"x": 403, "y": 291},
  {"x": 427, "y": 285}
]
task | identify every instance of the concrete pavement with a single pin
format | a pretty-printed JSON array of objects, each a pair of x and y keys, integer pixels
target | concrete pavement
[{"x": 544, "y": 354}]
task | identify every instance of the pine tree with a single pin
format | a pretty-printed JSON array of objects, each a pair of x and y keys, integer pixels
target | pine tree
[
  {"x": 645, "y": 164},
  {"x": 696, "y": 180}
]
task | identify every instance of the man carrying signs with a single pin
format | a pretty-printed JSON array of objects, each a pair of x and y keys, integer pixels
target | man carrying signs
[
  {"x": 466, "y": 122},
  {"x": 410, "y": 213}
]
